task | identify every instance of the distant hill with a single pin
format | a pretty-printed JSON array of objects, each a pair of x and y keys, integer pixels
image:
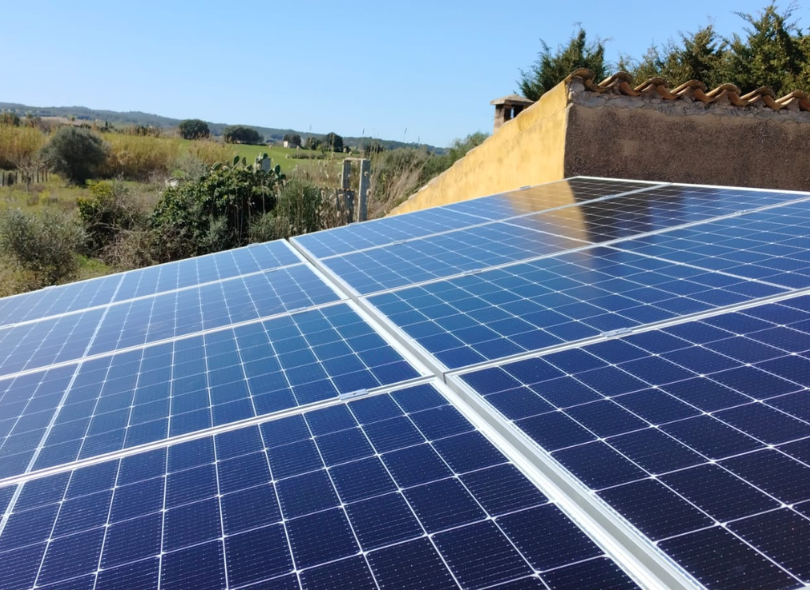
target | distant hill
[{"x": 140, "y": 118}]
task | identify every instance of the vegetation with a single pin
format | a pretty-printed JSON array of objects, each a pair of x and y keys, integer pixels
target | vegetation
[
  {"x": 334, "y": 142},
  {"x": 193, "y": 129},
  {"x": 293, "y": 139},
  {"x": 77, "y": 154},
  {"x": 43, "y": 246},
  {"x": 550, "y": 68},
  {"x": 241, "y": 134},
  {"x": 772, "y": 51}
]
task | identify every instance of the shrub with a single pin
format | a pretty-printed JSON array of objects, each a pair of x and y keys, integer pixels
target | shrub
[
  {"x": 76, "y": 154},
  {"x": 106, "y": 212},
  {"x": 43, "y": 245},
  {"x": 193, "y": 129},
  {"x": 241, "y": 134},
  {"x": 213, "y": 212}
]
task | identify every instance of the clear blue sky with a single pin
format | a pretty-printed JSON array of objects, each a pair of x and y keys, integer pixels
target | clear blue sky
[{"x": 429, "y": 66}]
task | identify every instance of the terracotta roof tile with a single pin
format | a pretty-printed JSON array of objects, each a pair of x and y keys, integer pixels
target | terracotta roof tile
[{"x": 692, "y": 90}]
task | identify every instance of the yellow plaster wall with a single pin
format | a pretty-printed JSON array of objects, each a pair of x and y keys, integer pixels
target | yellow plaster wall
[{"x": 527, "y": 150}]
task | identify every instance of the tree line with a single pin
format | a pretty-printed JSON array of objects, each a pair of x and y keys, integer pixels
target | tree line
[{"x": 771, "y": 50}]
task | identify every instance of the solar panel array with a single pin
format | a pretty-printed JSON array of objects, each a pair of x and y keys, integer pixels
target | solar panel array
[{"x": 586, "y": 384}]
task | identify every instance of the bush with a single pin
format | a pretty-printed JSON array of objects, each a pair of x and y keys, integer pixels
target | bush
[
  {"x": 213, "y": 212},
  {"x": 106, "y": 212},
  {"x": 193, "y": 129},
  {"x": 76, "y": 154},
  {"x": 43, "y": 245},
  {"x": 241, "y": 134}
]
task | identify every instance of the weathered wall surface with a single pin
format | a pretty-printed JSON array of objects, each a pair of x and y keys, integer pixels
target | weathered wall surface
[
  {"x": 735, "y": 148},
  {"x": 644, "y": 133},
  {"x": 525, "y": 151}
]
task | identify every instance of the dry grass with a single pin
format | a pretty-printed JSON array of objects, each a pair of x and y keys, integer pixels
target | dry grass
[
  {"x": 139, "y": 157},
  {"x": 209, "y": 152},
  {"x": 18, "y": 143}
]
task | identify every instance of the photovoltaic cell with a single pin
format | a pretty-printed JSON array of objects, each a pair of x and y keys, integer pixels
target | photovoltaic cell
[
  {"x": 146, "y": 281},
  {"x": 138, "y": 322},
  {"x": 211, "y": 306},
  {"x": 704, "y": 450},
  {"x": 27, "y": 407},
  {"x": 459, "y": 215},
  {"x": 534, "y": 305},
  {"x": 219, "y": 512},
  {"x": 769, "y": 245},
  {"x": 444, "y": 255},
  {"x": 47, "y": 342},
  {"x": 652, "y": 210},
  {"x": 191, "y": 384}
]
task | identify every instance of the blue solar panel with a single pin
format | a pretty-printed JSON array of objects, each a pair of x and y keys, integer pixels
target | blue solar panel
[
  {"x": 146, "y": 395},
  {"x": 146, "y": 281},
  {"x": 459, "y": 215},
  {"x": 697, "y": 434},
  {"x": 530, "y": 306},
  {"x": 194, "y": 425},
  {"x": 768, "y": 245},
  {"x": 652, "y": 210},
  {"x": 441, "y": 508},
  {"x": 169, "y": 315},
  {"x": 443, "y": 255}
]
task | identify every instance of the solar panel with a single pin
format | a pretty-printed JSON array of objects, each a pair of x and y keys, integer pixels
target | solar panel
[
  {"x": 768, "y": 245},
  {"x": 627, "y": 369},
  {"x": 697, "y": 434},
  {"x": 145, "y": 395},
  {"x": 551, "y": 301},
  {"x": 146, "y": 281},
  {"x": 122, "y": 325},
  {"x": 408, "y": 493},
  {"x": 656, "y": 209},
  {"x": 384, "y": 231}
]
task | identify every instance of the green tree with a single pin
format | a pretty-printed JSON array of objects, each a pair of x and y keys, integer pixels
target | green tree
[
  {"x": 43, "y": 246},
  {"x": 698, "y": 57},
  {"x": 293, "y": 138},
  {"x": 193, "y": 129},
  {"x": 372, "y": 148},
  {"x": 76, "y": 154},
  {"x": 773, "y": 53},
  {"x": 215, "y": 211},
  {"x": 313, "y": 143},
  {"x": 334, "y": 141},
  {"x": 241, "y": 134},
  {"x": 552, "y": 68}
]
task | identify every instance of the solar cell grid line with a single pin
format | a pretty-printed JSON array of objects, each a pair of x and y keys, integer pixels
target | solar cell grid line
[
  {"x": 654, "y": 210},
  {"x": 493, "y": 216},
  {"x": 229, "y": 510},
  {"x": 695, "y": 419},
  {"x": 443, "y": 255},
  {"x": 91, "y": 293},
  {"x": 767, "y": 245},
  {"x": 47, "y": 342},
  {"x": 57, "y": 300},
  {"x": 555, "y": 300},
  {"x": 457, "y": 215},
  {"x": 27, "y": 405},
  {"x": 145, "y": 395},
  {"x": 212, "y": 306},
  {"x": 207, "y": 268}
]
